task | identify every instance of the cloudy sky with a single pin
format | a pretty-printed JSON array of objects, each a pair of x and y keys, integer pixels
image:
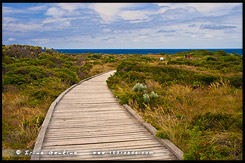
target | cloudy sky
[{"x": 123, "y": 25}]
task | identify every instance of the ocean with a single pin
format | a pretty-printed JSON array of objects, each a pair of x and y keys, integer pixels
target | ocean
[{"x": 141, "y": 51}]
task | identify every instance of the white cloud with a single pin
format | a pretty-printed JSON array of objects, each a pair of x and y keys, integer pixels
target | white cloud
[
  {"x": 136, "y": 16},
  {"x": 22, "y": 27},
  {"x": 11, "y": 39},
  {"x": 37, "y": 8},
  {"x": 40, "y": 40},
  {"x": 70, "y": 6},
  {"x": 10, "y": 10},
  {"x": 9, "y": 19},
  {"x": 109, "y": 11},
  {"x": 204, "y": 8},
  {"x": 212, "y": 8},
  {"x": 56, "y": 12},
  {"x": 53, "y": 20}
]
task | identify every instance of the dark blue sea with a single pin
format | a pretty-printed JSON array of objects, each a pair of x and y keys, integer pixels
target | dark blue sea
[{"x": 141, "y": 51}]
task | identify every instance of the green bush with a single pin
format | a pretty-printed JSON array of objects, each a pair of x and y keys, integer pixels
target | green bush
[
  {"x": 161, "y": 134},
  {"x": 210, "y": 58},
  {"x": 153, "y": 95},
  {"x": 15, "y": 79},
  {"x": 139, "y": 87},
  {"x": 146, "y": 98},
  {"x": 66, "y": 75},
  {"x": 34, "y": 103},
  {"x": 216, "y": 121}
]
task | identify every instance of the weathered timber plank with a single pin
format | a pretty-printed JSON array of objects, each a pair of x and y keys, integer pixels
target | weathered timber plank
[
  {"x": 112, "y": 123},
  {"x": 72, "y": 136},
  {"x": 90, "y": 110},
  {"x": 89, "y": 135},
  {"x": 95, "y": 131},
  {"x": 67, "y": 126},
  {"x": 137, "y": 144},
  {"x": 92, "y": 141}
]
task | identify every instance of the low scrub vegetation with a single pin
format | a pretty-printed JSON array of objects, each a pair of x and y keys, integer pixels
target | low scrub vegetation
[
  {"x": 199, "y": 111},
  {"x": 31, "y": 80},
  {"x": 196, "y": 102}
]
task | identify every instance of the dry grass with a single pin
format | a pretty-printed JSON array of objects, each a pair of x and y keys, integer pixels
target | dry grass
[
  {"x": 15, "y": 113},
  {"x": 218, "y": 97},
  {"x": 96, "y": 69},
  {"x": 153, "y": 85}
]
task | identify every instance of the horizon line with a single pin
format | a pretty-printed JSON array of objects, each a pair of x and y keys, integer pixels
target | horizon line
[{"x": 151, "y": 49}]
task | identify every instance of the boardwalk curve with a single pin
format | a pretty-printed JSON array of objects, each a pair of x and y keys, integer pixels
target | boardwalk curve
[{"x": 86, "y": 123}]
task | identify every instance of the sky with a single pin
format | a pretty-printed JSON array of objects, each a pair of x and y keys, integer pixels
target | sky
[{"x": 123, "y": 25}]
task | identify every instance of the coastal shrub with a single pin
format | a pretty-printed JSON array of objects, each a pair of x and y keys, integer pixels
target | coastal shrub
[
  {"x": 146, "y": 59},
  {"x": 66, "y": 75},
  {"x": 34, "y": 102},
  {"x": 210, "y": 58},
  {"x": 94, "y": 56},
  {"x": 229, "y": 59},
  {"x": 220, "y": 53},
  {"x": 23, "y": 75},
  {"x": 216, "y": 121},
  {"x": 162, "y": 134},
  {"x": 153, "y": 95},
  {"x": 125, "y": 66},
  {"x": 196, "y": 84},
  {"x": 139, "y": 87},
  {"x": 214, "y": 146},
  {"x": 146, "y": 98},
  {"x": 15, "y": 79},
  {"x": 83, "y": 71},
  {"x": 236, "y": 81},
  {"x": 200, "y": 134},
  {"x": 109, "y": 59},
  {"x": 49, "y": 87}
]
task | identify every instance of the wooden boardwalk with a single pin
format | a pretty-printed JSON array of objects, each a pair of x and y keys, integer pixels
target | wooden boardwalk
[{"x": 89, "y": 124}]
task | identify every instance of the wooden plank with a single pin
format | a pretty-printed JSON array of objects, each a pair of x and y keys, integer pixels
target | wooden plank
[
  {"x": 92, "y": 141},
  {"x": 118, "y": 113},
  {"x": 96, "y": 131},
  {"x": 84, "y": 108},
  {"x": 81, "y": 121},
  {"x": 136, "y": 144},
  {"x": 85, "y": 120},
  {"x": 62, "y": 130},
  {"x": 90, "y": 110},
  {"x": 90, "y": 118},
  {"x": 86, "y": 102},
  {"x": 89, "y": 105},
  {"x": 94, "y": 123},
  {"x": 67, "y": 126},
  {"x": 76, "y": 136},
  {"x": 92, "y": 130}
]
